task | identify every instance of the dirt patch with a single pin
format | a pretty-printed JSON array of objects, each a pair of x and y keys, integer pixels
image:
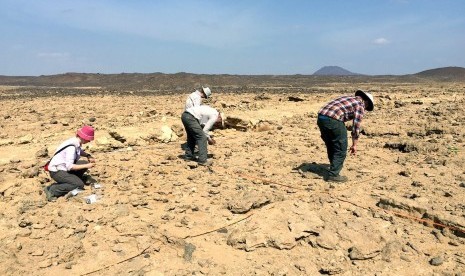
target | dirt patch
[{"x": 262, "y": 208}]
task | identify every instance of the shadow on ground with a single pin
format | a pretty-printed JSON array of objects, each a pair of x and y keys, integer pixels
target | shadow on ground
[{"x": 316, "y": 168}]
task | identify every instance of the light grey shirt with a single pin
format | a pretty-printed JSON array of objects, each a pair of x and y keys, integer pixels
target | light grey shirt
[
  {"x": 206, "y": 115},
  {"x": 194, "y": 99}
]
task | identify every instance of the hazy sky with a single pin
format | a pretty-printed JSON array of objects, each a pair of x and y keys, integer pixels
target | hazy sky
[{"x": 42, "y": 37}]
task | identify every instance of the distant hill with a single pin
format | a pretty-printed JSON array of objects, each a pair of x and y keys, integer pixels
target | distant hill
[
  {"x": 445, "y": 73},
  {"x": 224, "y": 82},
  {"x": 334, "y": 71}
]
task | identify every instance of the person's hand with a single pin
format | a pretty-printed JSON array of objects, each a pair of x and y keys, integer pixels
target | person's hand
[
  {"x": 353, "y": 150},
  {"x": 90, "y": 165},
  {"x": 91, "y": 159},
  {"x": 211, "y": 141}
]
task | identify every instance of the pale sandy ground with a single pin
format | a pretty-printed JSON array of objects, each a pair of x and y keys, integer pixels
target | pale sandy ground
[{"x": 262, "y": 209}]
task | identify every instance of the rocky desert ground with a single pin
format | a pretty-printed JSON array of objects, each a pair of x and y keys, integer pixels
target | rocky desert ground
[{"x": 261, "y": 209}]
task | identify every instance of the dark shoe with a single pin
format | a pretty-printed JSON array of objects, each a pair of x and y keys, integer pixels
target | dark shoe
[
  {"x": 189, "y": 157},
  {"x": 337, "y": 178},
  {"x": 207, "y": 163},
  {"x": 49, "y": 195}
]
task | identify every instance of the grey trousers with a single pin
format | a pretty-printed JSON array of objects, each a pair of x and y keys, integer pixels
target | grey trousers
[
  {"x": 66, "y": 182},
  {"x": 195, "y": 135},
  {"x": 334, "y": 134}
]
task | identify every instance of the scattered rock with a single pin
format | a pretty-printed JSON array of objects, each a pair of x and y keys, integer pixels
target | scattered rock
[
  {"x": 5, "y": 142},
  {"x": 436, "y": 261},
  {"x": 391, "y": 250},
  {"x": 401, "y": 146},
  {"x": 261, "y": 97},
  {"x": 26, "y": 139},
  {"x": 405, "y": 173},
  {"x": 331, "y": 270},
  {"x": 416, "y": 184},
  {"x": 45, "y": 263},
  {"x": 356, "y": 254},
  {"x": 30, "y": 173},
  {"x": 38, "y": 252},
  {"x": 178, "y": 129},
  {"x": 327, "y": 240},
  {"x": 118, "y": 247},
  {"x": 38, "y": 226},
  {"x": 279, "y": 226},
  {"x": 398, "y": 104},
  {"x": 42, "y": 153},
  {"x": 189, "y": 249},
  {"x": 261, "y": 126},
  {"x": 295, "y": 99},
  {"x": 236, "y": 123},
  {"x": 243, "y": 203},
  {"x": 105, "y": 144},
  {"x": 24, "y": 223},
  {"x": 118, "y": 137},
  {"x": 409, "y": 206},
  {"x": 24, "y": 232},
  {"x": 167, "y": 135}
]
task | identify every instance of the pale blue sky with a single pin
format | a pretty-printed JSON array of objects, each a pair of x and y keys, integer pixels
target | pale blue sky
[{"x": 376, "y": 37}]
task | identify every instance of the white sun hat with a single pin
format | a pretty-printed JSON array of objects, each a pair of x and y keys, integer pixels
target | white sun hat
[
  {"x": 368, "y": 97},
  {"x": 207, "y": 91}
]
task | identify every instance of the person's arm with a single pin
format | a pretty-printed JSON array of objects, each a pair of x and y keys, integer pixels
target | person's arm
[
  {"x": 88, "y": 156},
  {"x": 209, "y": 124},
  {"x": 84, "y": 154},
  {"x": 211, "y": 141},
  {"x": 77, "y": 167},
  {"x": 70, "y": 154},
  {"x": 357, "y": 124},
  {"x": 353, "y": 148}
]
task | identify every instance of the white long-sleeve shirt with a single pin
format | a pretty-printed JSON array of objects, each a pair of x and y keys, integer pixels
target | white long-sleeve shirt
[
  {"x": 65, "y": 159},
  {"x": 194, "y": 99},
  {"x": 206, "y": 115}
]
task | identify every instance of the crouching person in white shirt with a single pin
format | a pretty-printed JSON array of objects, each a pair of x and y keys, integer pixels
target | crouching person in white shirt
[
  {"x": 192, "y": 119},
  {"x": 63, "y": 166}
]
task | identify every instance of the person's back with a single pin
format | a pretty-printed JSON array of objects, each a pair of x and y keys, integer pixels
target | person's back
[
  {"x": 205, "y": 114},
  {"x": 195, "y": 98}
]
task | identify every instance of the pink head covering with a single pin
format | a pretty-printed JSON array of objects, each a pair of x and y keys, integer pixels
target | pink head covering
[{"x": 86, "y": 133}]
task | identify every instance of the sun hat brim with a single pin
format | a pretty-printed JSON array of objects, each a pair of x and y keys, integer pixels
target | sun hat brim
[{"x": 368, "y": 97}]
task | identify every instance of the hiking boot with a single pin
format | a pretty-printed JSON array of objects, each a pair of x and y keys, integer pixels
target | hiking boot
[
  {"x": 207, "y": 163},
  {"x": 337, "y": 178},
  {"x": 49, "y": 195}
]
